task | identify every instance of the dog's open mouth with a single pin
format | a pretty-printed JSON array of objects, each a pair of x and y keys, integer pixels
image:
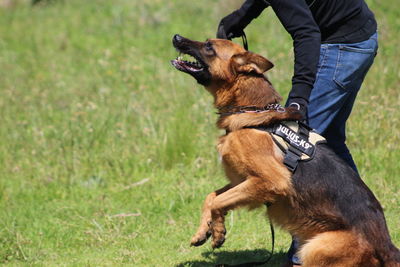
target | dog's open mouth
[
  {"x": 187, "y": 63},
  {"x": 190, "y": 60}
]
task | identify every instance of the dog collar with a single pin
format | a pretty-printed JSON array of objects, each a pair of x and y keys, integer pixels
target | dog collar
[{"x": 230, "y": 110}]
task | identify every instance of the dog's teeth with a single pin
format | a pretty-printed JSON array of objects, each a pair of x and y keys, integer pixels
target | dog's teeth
[{"x": 183, "y": 58}]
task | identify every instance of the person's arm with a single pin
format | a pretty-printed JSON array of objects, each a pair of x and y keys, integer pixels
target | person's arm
[
  {"x": 298, "y": 21},
  {"x": 253, "y": 8}
]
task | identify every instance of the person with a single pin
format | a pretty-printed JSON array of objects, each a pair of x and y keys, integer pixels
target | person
[{"x": 335, "y": 43}]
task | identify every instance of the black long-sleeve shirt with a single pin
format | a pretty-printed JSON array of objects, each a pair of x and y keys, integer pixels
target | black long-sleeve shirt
[{"x": 312, "y": 22}]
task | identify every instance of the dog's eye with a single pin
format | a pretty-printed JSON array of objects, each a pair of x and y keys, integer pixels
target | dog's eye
[{"x": 209, "y": 46}]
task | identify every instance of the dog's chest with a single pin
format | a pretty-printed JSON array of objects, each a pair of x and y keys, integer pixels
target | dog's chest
[
  {"x": 225, "y": 151},
  {"x": 220, "y": 146},
  {"x": 231, "y": 164}
]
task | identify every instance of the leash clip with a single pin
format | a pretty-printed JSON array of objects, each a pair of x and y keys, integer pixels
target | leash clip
[{"x": 281, "y": 109}]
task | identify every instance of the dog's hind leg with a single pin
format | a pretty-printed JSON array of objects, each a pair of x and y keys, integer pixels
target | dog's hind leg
[
  {"x": 338, "y": 249},
  {"x": 204, "y": 230}
]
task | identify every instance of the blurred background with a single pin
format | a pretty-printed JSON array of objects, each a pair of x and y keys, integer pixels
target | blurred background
[{"x": 107, "y": 152}]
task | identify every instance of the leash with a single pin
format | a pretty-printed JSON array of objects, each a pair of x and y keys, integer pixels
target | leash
[
  {"x": 222, "y": 34},
  {"x": 256, "y": 263},
  {"x": 244, "y": 40}
]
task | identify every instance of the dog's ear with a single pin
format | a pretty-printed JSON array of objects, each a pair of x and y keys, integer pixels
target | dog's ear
[{"x": 249, "y": 62}]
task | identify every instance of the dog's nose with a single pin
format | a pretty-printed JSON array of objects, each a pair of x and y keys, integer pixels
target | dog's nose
[{"x": 177, "y": 38}]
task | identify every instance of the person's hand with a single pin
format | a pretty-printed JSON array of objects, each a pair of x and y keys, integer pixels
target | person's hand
[
  {"x": 232, "y": 25},
  {"x": 301, "y": 105}
]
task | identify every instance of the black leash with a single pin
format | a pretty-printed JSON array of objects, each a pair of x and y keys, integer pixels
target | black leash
[
  {"x": 256, "y": 263},
  {"x": 271, "y": 226},
  {"x": 222, "y": 34},
  {"x": 244, "y": 40}
]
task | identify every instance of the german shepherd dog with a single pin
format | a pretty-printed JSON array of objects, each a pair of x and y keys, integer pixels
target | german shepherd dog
[{"x": 324, "y": 203}]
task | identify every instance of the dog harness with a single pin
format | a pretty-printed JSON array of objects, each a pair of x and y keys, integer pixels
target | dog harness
[{"x": 296, "y": 140}]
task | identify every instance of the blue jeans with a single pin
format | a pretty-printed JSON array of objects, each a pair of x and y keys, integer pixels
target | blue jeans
[{"x": 341, "y": 71}]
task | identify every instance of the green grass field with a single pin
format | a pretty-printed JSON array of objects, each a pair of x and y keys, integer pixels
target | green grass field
[{"x": 107, "y": 152}]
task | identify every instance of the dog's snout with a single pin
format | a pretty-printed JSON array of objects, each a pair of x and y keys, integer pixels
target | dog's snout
[{"x": 177, "y": 39}]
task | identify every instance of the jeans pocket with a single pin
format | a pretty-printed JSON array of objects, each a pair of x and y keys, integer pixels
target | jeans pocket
[{"x": 352, "y": 65}]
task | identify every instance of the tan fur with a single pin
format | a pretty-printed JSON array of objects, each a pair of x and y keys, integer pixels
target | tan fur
[
  {"x": 254, "y": 168},
  {"x": 240, "y": 121},
  {"x": 338, "y": 249}
]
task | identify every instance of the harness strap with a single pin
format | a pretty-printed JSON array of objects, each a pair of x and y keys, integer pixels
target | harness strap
[
  {"x": 292, "y": 158},
  {"x": 304, "y": 130},
  {"x": 293, "y": 154}
]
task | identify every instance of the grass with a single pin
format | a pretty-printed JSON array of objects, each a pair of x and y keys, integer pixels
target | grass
[{"x": 107, "y": 152}]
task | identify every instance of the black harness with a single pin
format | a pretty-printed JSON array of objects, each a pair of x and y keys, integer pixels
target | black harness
[{"x": 297, "y": 145}]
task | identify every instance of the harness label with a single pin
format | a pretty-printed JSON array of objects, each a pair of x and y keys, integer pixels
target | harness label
[{"x": 294, "y": 139}]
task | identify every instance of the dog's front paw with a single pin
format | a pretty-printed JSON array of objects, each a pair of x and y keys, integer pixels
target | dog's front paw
[
  {"x": 218, "y": 235},
  {"x": 200, "y": 238}
]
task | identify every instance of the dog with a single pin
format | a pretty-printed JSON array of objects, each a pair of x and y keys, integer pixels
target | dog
[{"x": 324, "y": 203}]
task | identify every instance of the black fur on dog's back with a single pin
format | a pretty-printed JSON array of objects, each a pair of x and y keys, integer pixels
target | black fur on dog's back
[{"x": 328, "y": 183}]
